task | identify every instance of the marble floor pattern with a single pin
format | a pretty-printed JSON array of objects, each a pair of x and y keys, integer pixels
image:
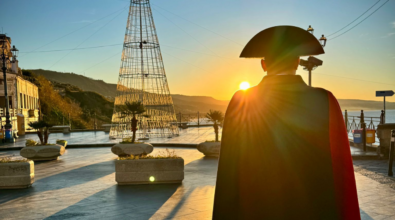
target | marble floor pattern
[{"x": 81, "y": 185}]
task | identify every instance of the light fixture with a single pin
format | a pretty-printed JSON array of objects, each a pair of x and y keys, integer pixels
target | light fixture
[
  {"x": 323, "y": 41},
  {"x": 14, "y": 51},
  {"x": 310, "y": 30}
]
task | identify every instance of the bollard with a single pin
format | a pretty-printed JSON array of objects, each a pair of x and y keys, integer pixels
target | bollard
[
  {"x": 198, "y": 123},
  {"x": 346, "y": 119},
  {"x": 363, "y": 125},
  {"x": 382, "y": 117},
  {"x": 180, "y": 118},
  {"x": 391, "y": 157}
]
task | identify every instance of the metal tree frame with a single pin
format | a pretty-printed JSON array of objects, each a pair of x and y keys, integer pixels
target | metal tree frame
[{"x": 142, "y": 77}]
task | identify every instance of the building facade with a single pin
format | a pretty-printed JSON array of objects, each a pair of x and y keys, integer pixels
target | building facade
[{"x": 22, "y": 94}]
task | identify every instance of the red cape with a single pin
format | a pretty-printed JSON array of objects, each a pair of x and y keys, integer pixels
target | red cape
[{"x": 285, "y": 155}]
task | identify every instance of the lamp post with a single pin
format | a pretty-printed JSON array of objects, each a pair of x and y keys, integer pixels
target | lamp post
[
  {"x": 312, "y": 62},
  {"x": 5, "y": 56}
]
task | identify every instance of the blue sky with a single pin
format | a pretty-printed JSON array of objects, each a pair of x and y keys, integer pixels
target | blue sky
[{"x": 207, "y": 63}]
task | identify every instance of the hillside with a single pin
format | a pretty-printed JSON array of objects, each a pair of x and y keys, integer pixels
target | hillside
[
  {"x": 85, "y": 83},
  {"x": 183, "y": 103},
  {"x": 92, "y": 103},
  {"x": 54, "y": 108},
  {"x": 193, "y": 104}
]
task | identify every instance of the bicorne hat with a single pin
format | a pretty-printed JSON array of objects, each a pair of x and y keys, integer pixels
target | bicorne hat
[{"x": 282, "y": 41}]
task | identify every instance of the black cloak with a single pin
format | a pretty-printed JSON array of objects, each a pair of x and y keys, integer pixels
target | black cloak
[{"x": 285, "y": 155}]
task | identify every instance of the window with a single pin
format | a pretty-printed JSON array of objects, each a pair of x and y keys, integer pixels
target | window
[{"x": 20, "y": 100}]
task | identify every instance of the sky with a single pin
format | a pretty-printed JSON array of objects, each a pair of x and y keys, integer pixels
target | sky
[{"x": 201, "y": 41}]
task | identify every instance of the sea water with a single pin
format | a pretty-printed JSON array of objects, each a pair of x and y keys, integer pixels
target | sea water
[{"x": 390, "y": 115}]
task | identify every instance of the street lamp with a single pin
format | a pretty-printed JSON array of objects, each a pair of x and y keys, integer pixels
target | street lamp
[
  {"x": 323, "y": 41},
  {"x": 312, "y": 62},
  {"x": 15, "y": 52},
  {"x": 310, "y": 30},
  {"x": 6, "y": 56}
]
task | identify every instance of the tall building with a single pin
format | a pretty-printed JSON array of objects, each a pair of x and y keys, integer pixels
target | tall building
[
  {"x": 142, "y": 77},
  {"x": 22, "y": 95}
]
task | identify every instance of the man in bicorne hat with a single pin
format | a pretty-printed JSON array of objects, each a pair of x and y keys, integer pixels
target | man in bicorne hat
[{"x": 284, "y": 152}]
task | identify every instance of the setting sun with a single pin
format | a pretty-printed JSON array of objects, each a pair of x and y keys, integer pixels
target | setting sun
[{"x": 244, "y": 86}]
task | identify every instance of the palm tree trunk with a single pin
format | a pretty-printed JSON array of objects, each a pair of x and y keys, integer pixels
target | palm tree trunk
[
  {"x": 216, "y": 131},
  {"x": 40, "y": 135},
  {"x": 46, "y": 135},
  {"x": 134, "y": 128}
]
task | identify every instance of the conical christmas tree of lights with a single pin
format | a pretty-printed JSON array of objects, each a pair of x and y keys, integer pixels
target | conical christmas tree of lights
[{"x": 142, "y": 78}]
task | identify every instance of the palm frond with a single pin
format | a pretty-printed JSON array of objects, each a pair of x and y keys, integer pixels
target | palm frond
[{"x": 215, "y": 116}]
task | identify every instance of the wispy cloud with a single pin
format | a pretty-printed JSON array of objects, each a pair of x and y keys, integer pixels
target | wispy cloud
[{"x": 393, "y": 24}]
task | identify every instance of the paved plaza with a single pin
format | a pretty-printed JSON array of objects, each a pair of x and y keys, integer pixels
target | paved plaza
[{"x": 81, "y": 184}]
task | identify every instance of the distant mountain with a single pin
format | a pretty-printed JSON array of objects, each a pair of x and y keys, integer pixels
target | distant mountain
[
  {"x": 356, "y": 104},
  {"x": 194, "y": 104},
  {"x": 183, "y": 103}
]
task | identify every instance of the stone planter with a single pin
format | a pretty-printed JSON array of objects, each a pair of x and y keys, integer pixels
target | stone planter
[
  {"x": 210, "y": 149},
  {"x": 16, "y": 175},
  {"x": 43, "y": 152},
  {"x": 149, "y": 171},
  {"x": 123, "y": 150}
]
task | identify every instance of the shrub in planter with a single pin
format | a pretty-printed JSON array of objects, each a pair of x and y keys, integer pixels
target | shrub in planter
[
  {"x": 15, "y": 174},
  {"x": 212, "y": 148},
  {"x": 42, "y": 128},
  {"x": 41, "y": 151},
  {"x": 61, "y": 143},
  {"x": 163, "y": 168}
]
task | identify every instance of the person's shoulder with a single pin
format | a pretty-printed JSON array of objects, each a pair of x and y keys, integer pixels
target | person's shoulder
[
  {"x": 239, "y": 95},
  {"x": 243, "y": 95},
  {"x": 321, "y": 91}
]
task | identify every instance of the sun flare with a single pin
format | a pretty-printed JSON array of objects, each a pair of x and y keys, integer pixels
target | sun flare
[{"x": 244, "y": 86}]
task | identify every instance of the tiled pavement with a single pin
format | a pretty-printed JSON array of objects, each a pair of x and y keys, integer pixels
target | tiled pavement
[{"x": 81, "y": 185}]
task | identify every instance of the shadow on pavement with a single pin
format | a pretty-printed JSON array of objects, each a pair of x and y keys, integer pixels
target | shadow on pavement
[
  {"x": 144, "y": 201},
  {"x": 62, "y": 180}
]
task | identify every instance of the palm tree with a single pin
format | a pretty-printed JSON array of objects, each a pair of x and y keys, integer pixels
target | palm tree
[
  {"x": 217, "y": 117},
  {"x": 132, "y": 109},
  {"x": 42, "y": 128}
]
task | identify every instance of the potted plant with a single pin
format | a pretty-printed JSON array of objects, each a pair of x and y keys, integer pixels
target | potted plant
[
  {"x": 129, "y": 146},
  {"x": 15, "y": 174},
  {"x": 43, "y": 150},
  {"x": 165, "y": 167},
  {"x": 212, "y": 148},
  {"x": 61, "y": 142}
]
